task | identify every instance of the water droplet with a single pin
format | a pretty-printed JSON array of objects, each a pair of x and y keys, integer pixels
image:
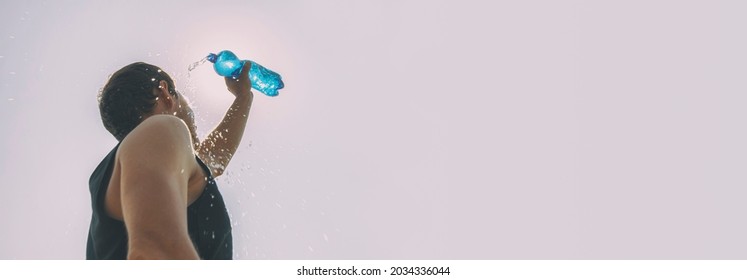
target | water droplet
[
  {"x": 11, "y": 99},
  {"x": 213, "y": 235},
  {"x": 278, "y": 205},
  {"x": 12, "y": 73},
  {"x": 12, "y": 37},
  {"x": 311, "y": 249},
  {"x": 211, "y": 205},
  {"x": 212, "y": 196},
  {"x": 207, "y": 218},
  {"x": 325, "y": 237},
  {"x": 252, "y": 193},
  {"x": 152, "y": 79},
  {"x": 182, "y": 170},
  {"x": 159, "y": 71}
]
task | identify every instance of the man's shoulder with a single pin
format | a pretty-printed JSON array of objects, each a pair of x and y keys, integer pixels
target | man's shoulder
[
  {"x": 158, "y": 132},
  {"x": 167, "y": 123}
]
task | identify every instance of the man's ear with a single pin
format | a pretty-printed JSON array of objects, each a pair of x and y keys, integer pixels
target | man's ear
[{"x": 166, "y": 97}]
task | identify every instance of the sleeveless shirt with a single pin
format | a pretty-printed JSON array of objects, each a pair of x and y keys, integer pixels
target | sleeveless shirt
[{"x": 208, "y": 223}]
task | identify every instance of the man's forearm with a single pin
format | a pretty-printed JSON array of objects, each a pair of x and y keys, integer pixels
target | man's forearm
[{"x": 220, "y": 145}]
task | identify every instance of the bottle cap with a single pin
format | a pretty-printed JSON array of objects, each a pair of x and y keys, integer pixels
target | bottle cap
[{"x": 212, "y": 57}]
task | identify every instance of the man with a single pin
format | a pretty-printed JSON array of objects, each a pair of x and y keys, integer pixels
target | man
[{"x": 154, "y": 196}]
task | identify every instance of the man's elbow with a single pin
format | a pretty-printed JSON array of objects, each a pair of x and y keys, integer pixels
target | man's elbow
[
  {"x": 141, "y": 255},
  {"x": 217, "y": 172},
  {"x": 217, "y": 167},
  {"x": 156, "y": 255},
  {"x": 156, "y": 252}
]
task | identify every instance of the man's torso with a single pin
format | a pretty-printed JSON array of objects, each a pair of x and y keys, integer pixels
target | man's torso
[{"x": 208, "y": 222}]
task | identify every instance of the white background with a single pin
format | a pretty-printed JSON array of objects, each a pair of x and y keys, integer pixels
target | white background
[{"x": 407, "y": 129}]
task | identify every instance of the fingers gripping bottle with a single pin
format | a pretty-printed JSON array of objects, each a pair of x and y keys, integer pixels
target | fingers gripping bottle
[{"x": 264, "y": 80}]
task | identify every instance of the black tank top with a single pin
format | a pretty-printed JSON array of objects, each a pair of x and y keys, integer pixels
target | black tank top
[{"x": 208, "y": 223}]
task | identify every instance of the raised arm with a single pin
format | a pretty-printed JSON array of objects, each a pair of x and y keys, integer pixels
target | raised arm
[
  {"x": 220, "y": 145},
  {"x": 156, "y": 161}
]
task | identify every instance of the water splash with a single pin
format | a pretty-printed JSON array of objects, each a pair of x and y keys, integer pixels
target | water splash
[{"x": 195, "y": 64}]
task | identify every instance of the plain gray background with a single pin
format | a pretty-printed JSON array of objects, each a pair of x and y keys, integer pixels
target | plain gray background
[{"x": 407, "y": 129}]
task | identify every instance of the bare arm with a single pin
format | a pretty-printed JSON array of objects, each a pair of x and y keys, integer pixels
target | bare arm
[
  {"x": 156, "y": 160},
  {"x": 220, "y": 145}
]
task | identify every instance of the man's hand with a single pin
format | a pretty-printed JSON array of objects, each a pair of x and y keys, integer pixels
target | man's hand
[{"x": 241, "y": 85}]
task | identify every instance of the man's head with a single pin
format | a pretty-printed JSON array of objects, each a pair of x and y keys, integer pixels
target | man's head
[{"x": 137, "y": 91}]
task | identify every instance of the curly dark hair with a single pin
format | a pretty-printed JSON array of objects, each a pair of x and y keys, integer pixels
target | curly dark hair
[{"x": 128, "y": 96}]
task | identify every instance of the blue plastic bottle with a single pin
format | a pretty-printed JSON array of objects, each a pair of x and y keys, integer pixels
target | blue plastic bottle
[{"x": 264, "y": 80}]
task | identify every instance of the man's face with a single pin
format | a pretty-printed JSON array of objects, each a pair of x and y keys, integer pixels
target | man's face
[{"x": 184, "y": 112}]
